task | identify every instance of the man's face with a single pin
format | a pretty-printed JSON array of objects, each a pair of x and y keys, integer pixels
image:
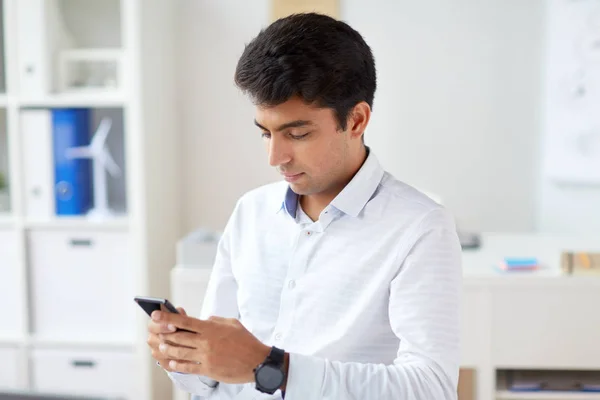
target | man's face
[{"x": 305, "y": 145}]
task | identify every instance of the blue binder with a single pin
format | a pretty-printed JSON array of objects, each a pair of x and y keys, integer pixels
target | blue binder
[{"x": 72, "y": 177}]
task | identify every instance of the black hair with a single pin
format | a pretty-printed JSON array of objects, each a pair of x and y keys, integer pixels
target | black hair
[{"x": 318, "y": 58}]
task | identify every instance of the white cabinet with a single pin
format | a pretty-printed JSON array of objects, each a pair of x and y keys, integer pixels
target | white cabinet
[
  {"x": 539, "y": 326},
  {"x": 11, "y": 324},
  {"x": 475, "y": 325},
  {"x": 10, "y": 369},
  {"x": 82, "y": 284},
  {"x": 85, "y": 373}
]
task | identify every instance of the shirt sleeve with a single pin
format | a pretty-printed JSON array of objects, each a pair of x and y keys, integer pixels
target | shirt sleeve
[
  {"x": 194, "y": 384},
  {"x": 220, "y": 300},
  {"x": 424, "y": 312}
]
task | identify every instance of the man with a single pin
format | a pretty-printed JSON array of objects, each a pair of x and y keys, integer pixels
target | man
[{"x": 339, "y": 282}]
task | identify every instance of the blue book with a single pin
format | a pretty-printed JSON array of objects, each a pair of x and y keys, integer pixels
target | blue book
[
  {"x": 72, "y": 176},
  {"x": 520, "y": 262}
]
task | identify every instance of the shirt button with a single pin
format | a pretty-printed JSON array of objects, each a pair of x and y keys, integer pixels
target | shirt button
[
  {"x": 292, "y": 284},
  {"x": 278, "y": 337},
  {"x": 308, "y": 233}
]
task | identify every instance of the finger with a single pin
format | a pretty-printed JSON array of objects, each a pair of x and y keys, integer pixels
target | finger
[
  {"x": 157, "y": 339},
  {"x": 167, "y": 341},
  {"x": 179, "y": 353},
  {"x": 159, "y": 356},
  {"x": 185, "y": 339},
  {"x": 185, "y": 367},
  {"x": 157, "y": 328},
  {"x": 180, "y": 321},
  {"x": 153, "y": 340},
  {"x": 181, "y": 311}
]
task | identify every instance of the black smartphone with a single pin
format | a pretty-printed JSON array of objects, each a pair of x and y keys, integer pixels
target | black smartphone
[{"x": 151, "y": 304}]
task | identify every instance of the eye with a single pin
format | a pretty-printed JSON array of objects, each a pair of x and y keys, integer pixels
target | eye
[
  {"x": 266, "y": 135},
  {"x": 299, "y": 137}
]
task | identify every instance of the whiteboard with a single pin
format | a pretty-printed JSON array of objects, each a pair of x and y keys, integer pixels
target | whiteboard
[{"x": 571, "y": 121}]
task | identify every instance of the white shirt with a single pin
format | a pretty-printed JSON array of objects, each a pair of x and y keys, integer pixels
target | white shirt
[{"x": 365, "y": 299}]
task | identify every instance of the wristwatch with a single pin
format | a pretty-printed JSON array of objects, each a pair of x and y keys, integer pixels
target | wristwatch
[{"x": 269, "y": 375}]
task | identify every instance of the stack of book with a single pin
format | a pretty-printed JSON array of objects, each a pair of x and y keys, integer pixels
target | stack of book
[
  {"x": 553, "y": 381},
  {"x": 518, "y": 264}
]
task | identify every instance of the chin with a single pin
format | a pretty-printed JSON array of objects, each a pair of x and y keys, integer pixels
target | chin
[
  {"x": 298, "y": 189},
  {"x": 303, "y": 190}
]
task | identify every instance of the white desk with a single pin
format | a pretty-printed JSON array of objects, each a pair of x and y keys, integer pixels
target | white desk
[
  {"x": 519, "y": 320},
  {"x": 540, "y": 319}
]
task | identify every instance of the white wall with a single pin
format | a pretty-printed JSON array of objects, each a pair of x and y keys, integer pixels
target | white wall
[
  {"x": 568, "y": 209},
  {"x": 563, "y": 208},
  {"x": 223, "y": 155},
  {"x": 456, "y": 111}
]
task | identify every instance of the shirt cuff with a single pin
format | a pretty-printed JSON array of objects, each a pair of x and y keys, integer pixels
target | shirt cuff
[
  {"x": 305, "y": 377},
  {"x": 194, "y": 384}
]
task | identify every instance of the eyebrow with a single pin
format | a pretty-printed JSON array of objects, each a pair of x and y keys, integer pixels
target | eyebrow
[{"x": 293, "y": 124}]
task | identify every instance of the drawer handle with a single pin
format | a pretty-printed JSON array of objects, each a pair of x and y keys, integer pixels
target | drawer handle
[
  {"x": 83, "y": 363},
  {"x": 81, "y": 243}
]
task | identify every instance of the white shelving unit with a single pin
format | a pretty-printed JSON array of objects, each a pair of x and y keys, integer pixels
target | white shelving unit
[
  {"x": 72, "y": 327},
  {"x": 508, "y": 395},
  {"x": 542, "y": 322}
]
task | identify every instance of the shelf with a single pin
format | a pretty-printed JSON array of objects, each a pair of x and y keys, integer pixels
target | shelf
[
  {"x": 6, "y": 220},
  {"x": 559, "y": 384},
  {"x": 91, "y": 100},
  {"x": 12, "y": 340},
  {"x": 87, "y": 343},
  {"x": 116, "y": 223},
  {"x": 508, "y": 395}
]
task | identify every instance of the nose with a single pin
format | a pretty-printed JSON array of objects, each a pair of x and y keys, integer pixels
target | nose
[{"x": 279, "y": 152}]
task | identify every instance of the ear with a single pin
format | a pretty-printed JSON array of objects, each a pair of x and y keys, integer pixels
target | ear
[{"x": 358, "y": 119}]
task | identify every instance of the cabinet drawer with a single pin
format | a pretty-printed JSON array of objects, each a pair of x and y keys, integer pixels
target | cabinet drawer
[
  {"x": 84, "y": 373},
  {"x": 11, "y": 286},
  {"x": 553, "y": 326},
  {"x": 10, "y": 369},
  {"x": 82, "y": 284}
]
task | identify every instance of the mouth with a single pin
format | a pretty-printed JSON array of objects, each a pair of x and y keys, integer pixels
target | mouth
[{"x": 292, "y": 177}]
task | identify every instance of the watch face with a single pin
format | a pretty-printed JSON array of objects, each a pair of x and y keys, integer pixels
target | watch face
[{"x": 269, "y": 377}]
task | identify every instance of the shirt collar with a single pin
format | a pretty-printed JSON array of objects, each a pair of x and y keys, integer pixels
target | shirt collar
[
  {"x": 290, "y": 202},
  {"x": 355, "y": 195}
]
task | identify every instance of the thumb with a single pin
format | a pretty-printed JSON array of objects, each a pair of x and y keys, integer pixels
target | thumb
[{"x": 181, "y": 311}]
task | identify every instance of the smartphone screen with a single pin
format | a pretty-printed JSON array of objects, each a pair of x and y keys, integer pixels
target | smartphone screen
[{"x": 151, "y": 304}]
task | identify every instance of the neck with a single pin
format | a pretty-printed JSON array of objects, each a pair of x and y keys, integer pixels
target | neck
[{"x": 314, "y": 204}]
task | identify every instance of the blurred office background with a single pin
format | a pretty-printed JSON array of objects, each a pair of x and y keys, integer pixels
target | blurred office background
[
  {"x": 458, "y": 110},
  {"x": 492, "y": 106}
]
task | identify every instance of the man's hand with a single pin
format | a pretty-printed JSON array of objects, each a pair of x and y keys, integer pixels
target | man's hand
[
  {"x": 154, "y": 330},
  {"x": 218, "y": 348}
]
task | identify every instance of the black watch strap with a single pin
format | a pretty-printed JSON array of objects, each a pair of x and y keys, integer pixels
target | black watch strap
[{"x": 276, "y": 356}]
